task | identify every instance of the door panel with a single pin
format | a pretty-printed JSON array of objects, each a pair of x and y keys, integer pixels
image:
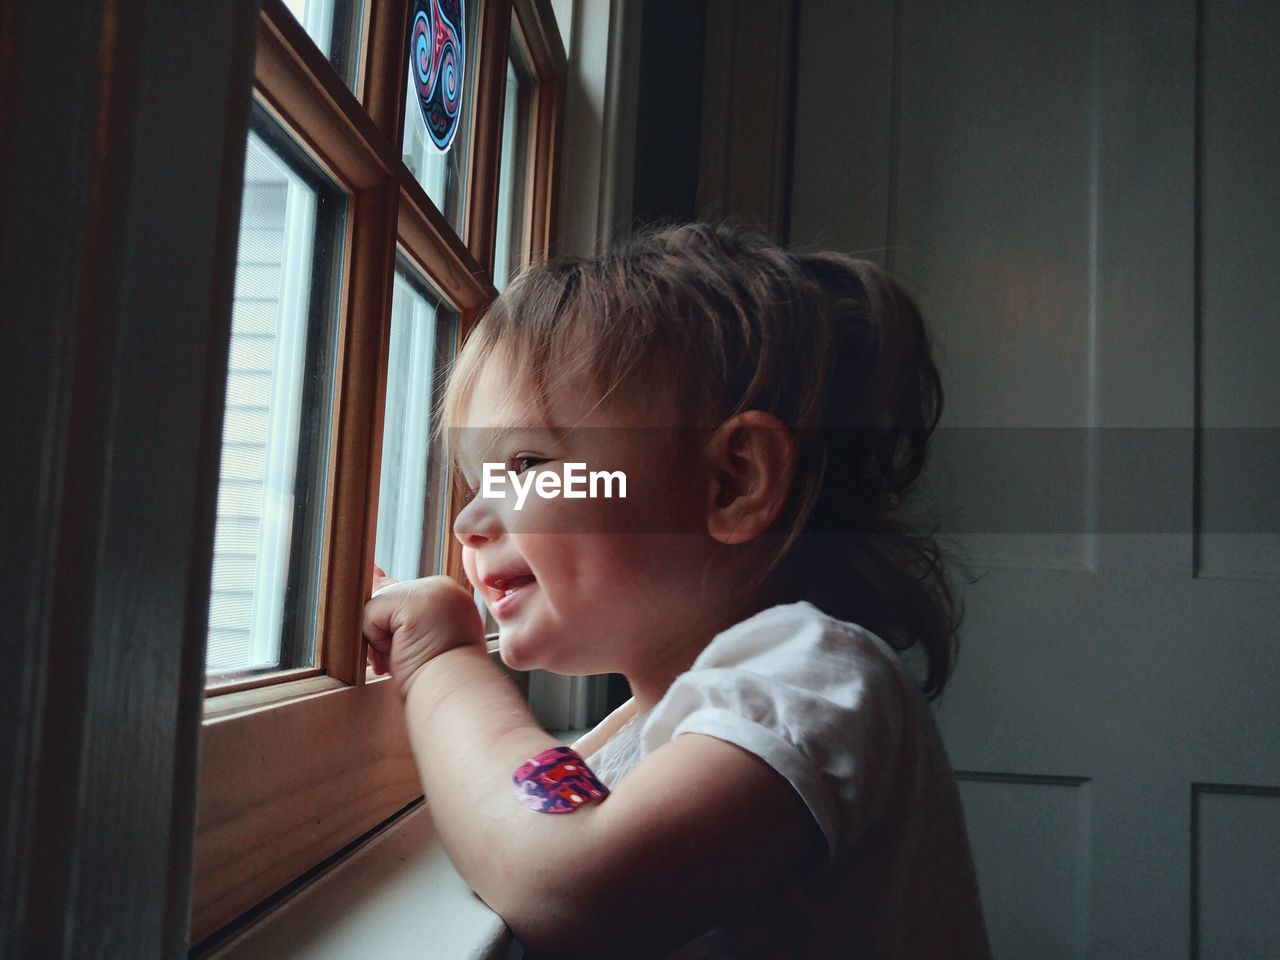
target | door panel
[{"x": 1082, "y": 198}]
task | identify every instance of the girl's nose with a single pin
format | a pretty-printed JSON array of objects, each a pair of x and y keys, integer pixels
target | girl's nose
[{"x": 476, "y": 524}]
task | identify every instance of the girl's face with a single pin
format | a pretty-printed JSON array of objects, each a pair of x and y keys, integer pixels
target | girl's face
[{"x": 591, "y": 585}]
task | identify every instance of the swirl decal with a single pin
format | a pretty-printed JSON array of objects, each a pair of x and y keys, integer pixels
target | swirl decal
[{"x": 437, "y": 65}]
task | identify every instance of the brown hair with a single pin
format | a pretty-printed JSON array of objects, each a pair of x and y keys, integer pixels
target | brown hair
[{"x": 828, "y": 344}]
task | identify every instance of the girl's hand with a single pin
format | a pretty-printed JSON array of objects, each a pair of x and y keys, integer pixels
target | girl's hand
[{"x": 409, "y": 622}]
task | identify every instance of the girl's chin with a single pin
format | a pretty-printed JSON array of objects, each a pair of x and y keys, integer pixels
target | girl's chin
[
  {"x": 520, "y": 651},
  {"x": 525, "y": 645},
  {"x": 516, "y": 652}
]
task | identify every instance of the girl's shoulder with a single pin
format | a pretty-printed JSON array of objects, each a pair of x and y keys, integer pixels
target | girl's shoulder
[
  {"x": 799, "y": 638},
  {"x": 823, "y": 701}
]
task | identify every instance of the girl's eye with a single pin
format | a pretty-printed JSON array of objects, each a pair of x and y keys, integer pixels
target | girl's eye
[{"x": 521, "y": 464}]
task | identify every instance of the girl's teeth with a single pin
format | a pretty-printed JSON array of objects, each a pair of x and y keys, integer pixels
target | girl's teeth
[{"x": 508, "y": 590}]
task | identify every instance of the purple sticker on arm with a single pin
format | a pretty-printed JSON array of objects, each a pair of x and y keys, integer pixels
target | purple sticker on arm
[{"x": 557, "y": 780}]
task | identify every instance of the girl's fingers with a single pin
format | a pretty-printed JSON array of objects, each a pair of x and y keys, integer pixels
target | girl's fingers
[
  {"x": 380, "y": 579},
  {"x": 374, "y": 625},
  {"x": 379, "y": 654},
  {"x": 375, "y": 620},
  {"x": 379, "y": 643},
  {"x": 380, "y": 583}
]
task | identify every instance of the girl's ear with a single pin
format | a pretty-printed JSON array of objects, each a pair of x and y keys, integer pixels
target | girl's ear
[{"x": 750, "y": 463}]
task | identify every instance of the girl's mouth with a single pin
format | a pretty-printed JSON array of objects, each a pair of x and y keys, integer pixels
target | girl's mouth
[{"x": 514, "y": 592}]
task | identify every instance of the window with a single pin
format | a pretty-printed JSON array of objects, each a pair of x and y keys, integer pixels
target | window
[
  {"x": 279, "y": 406},
  {"x": 365, "y": 254},
  {"x": 442, "y": 175},
  {"x": 512, "y": 242},
  {"x": 423, "y": 335},
  {"x": 336, "y": 28}
]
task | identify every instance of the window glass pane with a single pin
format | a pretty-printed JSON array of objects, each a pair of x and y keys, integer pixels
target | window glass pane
[
  {"x": 513, "y": 174},
  {"x": 275, "y": 435},
  {"x": 443, "y": 175},
  {"x": 410, "y": 495},
  {"x": 337, "y": 27}
]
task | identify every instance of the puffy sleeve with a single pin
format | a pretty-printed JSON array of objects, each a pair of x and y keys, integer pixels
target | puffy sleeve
[{"x": 820, "y": 700}]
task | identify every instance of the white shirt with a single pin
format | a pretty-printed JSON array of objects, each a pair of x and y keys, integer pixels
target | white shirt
[{"x": 831, "y": 707}]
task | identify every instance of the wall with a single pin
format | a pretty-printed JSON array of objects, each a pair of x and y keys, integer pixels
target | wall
[{"x": 1079, "y": 197}]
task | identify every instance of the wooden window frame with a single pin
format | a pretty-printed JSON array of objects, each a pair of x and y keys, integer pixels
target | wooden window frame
[
  {"x": 545, "y": 52},
  {"x": 295, "y": 766}
]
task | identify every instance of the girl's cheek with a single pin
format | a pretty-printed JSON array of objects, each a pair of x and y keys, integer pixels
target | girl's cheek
[
  {"x": 469, "y": 565},
  {"x": 540, "y": 515}
]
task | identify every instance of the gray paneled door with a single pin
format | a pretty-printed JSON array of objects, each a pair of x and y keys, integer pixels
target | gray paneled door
[{"x": 1085, "y": 200}]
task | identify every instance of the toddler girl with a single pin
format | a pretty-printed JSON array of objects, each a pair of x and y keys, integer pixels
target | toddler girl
[{"x": 776, "y": 786}]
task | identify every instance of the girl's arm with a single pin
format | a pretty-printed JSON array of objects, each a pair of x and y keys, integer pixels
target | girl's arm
[{"x": 697, "y": 829}]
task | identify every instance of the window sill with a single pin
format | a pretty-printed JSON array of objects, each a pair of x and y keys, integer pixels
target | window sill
[{"x": 396, "y": 896}]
